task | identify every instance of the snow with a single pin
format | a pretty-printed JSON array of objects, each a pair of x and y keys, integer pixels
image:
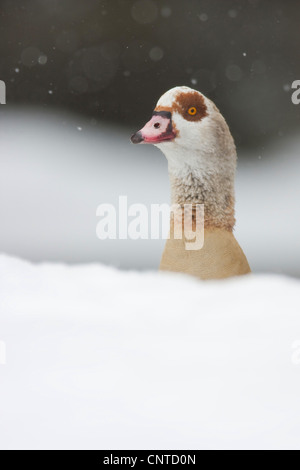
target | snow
[{"x": 105, "y": 359}]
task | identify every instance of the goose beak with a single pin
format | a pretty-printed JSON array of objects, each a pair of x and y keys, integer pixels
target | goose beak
[{"x": 158, "y": 129}]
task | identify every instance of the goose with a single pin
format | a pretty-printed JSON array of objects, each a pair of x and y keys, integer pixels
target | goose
[{"x": 195, "y": 138}]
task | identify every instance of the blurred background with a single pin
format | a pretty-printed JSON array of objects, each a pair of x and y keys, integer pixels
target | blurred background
[{"x": 83, "y": 75}]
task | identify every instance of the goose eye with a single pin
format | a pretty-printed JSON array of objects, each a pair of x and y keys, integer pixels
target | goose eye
[{"x": 192, "y": 111}]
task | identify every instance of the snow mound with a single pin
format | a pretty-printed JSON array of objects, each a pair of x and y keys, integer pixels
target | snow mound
[{"x": 104, "y": 359}]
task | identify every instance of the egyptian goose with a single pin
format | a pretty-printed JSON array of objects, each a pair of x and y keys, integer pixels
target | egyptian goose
[{"x": 189, "y": 129}]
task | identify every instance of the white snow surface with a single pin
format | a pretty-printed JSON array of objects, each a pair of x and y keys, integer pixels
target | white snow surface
[{"x": 98, "y": 358}]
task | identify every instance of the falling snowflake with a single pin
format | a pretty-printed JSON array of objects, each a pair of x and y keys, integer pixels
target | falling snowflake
[
  {"x": 203, "y": 17},
  {"x": 43, "y": 59},
  {"x": 232, "y": 13},
  {"x": 156, "y": 54},
  {"x": 166, "y": 12}
]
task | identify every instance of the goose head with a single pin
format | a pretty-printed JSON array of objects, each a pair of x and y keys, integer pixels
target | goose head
[{"x": 189, "y": 129}]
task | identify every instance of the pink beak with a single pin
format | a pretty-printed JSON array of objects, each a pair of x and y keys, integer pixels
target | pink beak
[{"x": 158, "y": 129}]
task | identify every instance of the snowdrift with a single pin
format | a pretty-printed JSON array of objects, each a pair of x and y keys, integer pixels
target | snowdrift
[{"x": 103, "y": 359}]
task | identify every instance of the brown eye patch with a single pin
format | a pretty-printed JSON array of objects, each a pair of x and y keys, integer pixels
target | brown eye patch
[{"x": 191, "y": 106}]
